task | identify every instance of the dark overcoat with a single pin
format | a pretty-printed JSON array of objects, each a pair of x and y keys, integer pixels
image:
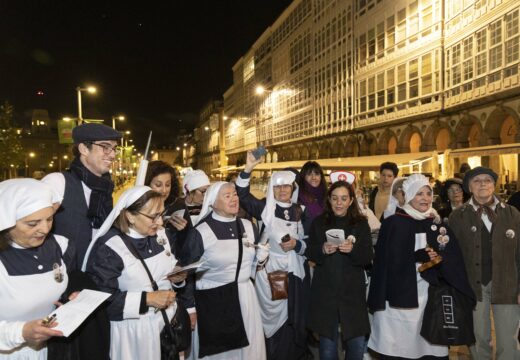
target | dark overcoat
[{"x": 338, "y": 289}]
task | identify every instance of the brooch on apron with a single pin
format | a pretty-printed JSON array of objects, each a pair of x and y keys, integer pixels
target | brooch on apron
[
  {"x": 58, "y": 275},
  {"x": 161, "y": 240},
  {"x": 510, "y": 234},
  {"x": 473, "y": 228},
  {"x": 286, "y": 214},
  {"x": 434, "y": 227},
  {"x": 443, "y": 240},
  {"x": 443, "y": 230}
]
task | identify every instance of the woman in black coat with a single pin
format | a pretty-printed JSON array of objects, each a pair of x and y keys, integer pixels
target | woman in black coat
[{"x": 340, "y": 245}]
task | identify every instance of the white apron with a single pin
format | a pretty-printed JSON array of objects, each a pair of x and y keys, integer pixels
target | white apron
[
  {"x": 397, "y": 331},
  {"x": 274, "y": 313},
  {"x": 139, "y": 338},
  {"x": 219, "y": 268},
  {"x": 30, "y": 297}
]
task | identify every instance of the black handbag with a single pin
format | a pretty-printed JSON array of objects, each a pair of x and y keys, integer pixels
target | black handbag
[
  {"x": 220, "y": 323},
  {"x": 176, "y": 334},
  {"x": 448, "y": 316}
]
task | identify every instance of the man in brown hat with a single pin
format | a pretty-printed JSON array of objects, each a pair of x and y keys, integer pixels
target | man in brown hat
[{"x": 488, "y": 231}]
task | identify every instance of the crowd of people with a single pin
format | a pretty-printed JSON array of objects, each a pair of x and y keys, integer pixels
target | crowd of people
[{"x": 309, "y": 269}]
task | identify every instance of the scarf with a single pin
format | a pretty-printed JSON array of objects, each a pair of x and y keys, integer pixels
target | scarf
[
  {"x": 417, "y": 215},
  {"x": 102, "y": 187},
  {"x": 486, "y": 208},
  {"x": 313, "y": 199}
]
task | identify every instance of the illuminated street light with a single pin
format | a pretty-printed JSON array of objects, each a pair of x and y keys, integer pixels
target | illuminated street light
[
  {"x": 259, "y": 90},
  {"x": 31, "y": 154},
  {"x": 89, "y": 89},
  {"x": 114, "y": 118},
  {"x": 206, "y": 128},
  {"x": 177, "y": 148}
]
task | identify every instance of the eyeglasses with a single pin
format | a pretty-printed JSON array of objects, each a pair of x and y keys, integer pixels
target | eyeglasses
[
  {"x": 155, "y": 217},
  {"x": 107, "y": 149}
]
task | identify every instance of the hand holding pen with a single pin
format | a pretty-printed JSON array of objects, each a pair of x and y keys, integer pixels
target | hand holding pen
[{"x": 38, "y": 331}]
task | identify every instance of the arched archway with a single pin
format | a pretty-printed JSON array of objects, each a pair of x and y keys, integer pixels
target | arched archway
[
  {"x": 465, "y": 132},
  {"x": 438, "y": 137},
  {"x": 384, "y": 142},
  {"x": 324, "y": 150},
  {"x": 494, "y": 127},
  {"x": 275, "y": 157},
  {"x": 314, "y": 151},
  {"x": 368, "y": 145},
  {"x": 352, "y": 146},
  {"x": 508, "y": 131},
  {"x": 336, "y": 149},
  {"x": 443, "y": 139},
  {"x": 410, "y": 138},
  {"x": 392, "y": 145},
  {"x": 304, "y": 153},
  {"x": 474, "y": 135}
]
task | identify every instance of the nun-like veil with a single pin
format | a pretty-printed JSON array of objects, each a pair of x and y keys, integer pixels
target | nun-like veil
[{"x": 127, "y": 198}]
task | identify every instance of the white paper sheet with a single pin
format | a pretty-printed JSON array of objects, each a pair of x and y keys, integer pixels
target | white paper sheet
[
  {"x": 335, "y": 236},
  {"x": 70, "y": 315},
  {"x": 194, "y": 265}
]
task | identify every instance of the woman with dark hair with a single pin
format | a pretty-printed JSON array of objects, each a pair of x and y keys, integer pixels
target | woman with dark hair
[
  {"x": 131, "y": 233},
  {"x": 340, "y": 245},
  {"x": 312, "y": 189},
  {"x": 163, "y": 178}
]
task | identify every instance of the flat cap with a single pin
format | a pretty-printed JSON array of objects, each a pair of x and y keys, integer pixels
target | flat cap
[
  {"x": 479, "y": 170},
  {"x": 94, "y": 132}
]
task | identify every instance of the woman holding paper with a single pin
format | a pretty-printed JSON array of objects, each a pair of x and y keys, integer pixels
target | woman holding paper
[
  {"x": 283, "y": 315},
  {"x": 229, "y": 326},
  {"x": 134, "y": 230},
  {"x": 398, "y": 290},
  {"x": 340, "y": 245},
  {"x": 33, "y": 268}
]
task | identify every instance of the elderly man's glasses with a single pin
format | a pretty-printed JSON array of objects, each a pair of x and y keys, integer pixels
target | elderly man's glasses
[
  {"x": 107, "y": 149},
  {"x": 155, "y": 217}
]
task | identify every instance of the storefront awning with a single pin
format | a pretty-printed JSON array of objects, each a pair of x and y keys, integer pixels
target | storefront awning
[
  {"x": 226, "y": 169},
  {"x": 487, "y": 150},
  {"x": 354, "y": 163}
]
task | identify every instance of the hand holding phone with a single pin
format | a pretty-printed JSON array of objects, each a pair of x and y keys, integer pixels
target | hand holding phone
[{"x": 259, "y": 152}]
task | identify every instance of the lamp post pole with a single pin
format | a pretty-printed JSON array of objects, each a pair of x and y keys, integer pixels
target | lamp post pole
[
  {"x": 89, "y": 89},
  {"x": 80, "y": 114}
]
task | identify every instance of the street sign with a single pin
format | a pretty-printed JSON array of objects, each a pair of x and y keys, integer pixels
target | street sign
[{"x": 65, "y": 131}]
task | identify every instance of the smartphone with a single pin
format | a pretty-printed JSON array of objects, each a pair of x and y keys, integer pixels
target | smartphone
[
  {"x": 259, "y": 152},
  {"x": 286, "y": 238}
]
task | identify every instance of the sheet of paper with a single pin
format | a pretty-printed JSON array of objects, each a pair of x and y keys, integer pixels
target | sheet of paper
[
  {"x": 70, "y": 315},
  {"x": 420, "y": 241},
  {"x": 335, "y": 236},
  {"x": 194, "y": 265}
]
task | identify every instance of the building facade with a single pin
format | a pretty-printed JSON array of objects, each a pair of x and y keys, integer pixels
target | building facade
[{"x": 350, "y": 78}]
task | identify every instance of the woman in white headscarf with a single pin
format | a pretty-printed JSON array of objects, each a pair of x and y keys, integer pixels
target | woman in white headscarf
[
  {"x": 396, "y": 200},
  {"x": 226, "y": 246},
  {"x": 134, "y": 226},
  {"x": 282, "y": 226},
  {"x": 33, "y": 268},
  {"x": 398, "y": 289}
]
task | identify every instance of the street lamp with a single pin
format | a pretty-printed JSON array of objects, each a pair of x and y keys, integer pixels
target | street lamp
[
  {"x": 89, "y": 89},
  {"x": 114, "y": 118}
]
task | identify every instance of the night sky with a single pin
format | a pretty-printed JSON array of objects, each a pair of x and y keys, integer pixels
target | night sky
[{"x": 156, "y": 62}]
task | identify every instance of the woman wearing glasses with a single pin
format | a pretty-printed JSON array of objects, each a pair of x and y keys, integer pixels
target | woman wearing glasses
[
  {"x": 132, "y": 230},
  {"x": 453, "y": 196}
]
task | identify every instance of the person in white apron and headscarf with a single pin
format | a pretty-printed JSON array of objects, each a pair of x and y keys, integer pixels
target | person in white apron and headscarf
[
  {"x": 398, "y": 292},
  {"x": 134, "y": 226},
  {"x": 226, "y": 246},
  {"x": 284, "y": 320},
  {"x": 33, "y": 268}
]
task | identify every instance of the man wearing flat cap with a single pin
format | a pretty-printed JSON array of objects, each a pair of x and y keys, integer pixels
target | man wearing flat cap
[
  {"x": 488, "y": 231},
  {"x": 86, "y": 187}
]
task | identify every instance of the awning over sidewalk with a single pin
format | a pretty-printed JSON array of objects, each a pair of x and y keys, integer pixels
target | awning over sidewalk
[
  {"x": 487, "y": 150},
  {"x": 354, "y": 163},
  {"x": 226, "y": 169}
]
